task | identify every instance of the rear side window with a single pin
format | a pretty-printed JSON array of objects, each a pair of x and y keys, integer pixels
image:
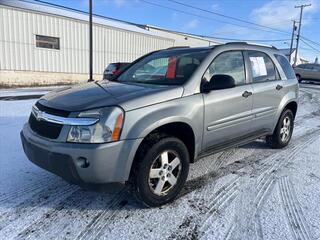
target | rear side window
[
  {"x": 262, "y": 67},
  {"x": 286, "y": 67},
  {"x": 316, "y": 67},
  {"x": 308, "y": 66}
]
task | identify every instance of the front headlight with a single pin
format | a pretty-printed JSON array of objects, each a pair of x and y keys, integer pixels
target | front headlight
[{"x": 107, "y": 129}]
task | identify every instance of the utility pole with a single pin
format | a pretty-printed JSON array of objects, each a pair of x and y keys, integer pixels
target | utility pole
[
  {"x": 294, "y": 28},
  {"x": 298, "y": 35},
  {"x": 90, "y": 44}
]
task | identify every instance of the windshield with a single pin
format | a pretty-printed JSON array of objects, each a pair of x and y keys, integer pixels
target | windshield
[{"x": 166, "y": 67}]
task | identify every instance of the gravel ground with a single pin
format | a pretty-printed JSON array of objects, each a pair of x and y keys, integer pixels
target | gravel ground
[{"x": 250, "y": 192}]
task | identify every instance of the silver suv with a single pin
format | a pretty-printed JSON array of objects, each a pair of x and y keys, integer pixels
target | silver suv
[
  {"x": 308, "y": 72},
  {"x": 165, "y": 110}
]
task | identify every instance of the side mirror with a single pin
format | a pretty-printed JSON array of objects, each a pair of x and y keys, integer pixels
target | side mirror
[{"x": 218, "y": 82}]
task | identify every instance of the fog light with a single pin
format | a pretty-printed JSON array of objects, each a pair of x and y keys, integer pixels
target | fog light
[{"x": 83, "y": 162}]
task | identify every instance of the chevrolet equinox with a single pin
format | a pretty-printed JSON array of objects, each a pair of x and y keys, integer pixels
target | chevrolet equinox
[{"x": 161, "y": 113}]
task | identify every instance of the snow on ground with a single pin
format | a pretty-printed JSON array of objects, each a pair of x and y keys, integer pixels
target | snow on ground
[{"x": 250, "y": 192}]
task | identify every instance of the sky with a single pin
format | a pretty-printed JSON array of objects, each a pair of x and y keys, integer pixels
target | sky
[{"x": 275, "y": 14}]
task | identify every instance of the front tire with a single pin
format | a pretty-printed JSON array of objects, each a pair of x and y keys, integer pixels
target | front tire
[
  {"x": 283, "y": 131},
  {"x": 161, "y": 170}
]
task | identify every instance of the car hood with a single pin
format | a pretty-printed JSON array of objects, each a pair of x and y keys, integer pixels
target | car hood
[{"x": 107, "y": 93}]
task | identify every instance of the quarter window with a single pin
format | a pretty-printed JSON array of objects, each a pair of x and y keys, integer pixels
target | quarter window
[
  {"x": 262, "y": 67},
  {"x": 47, "y": 42},
  {"x": 286, "y": 67},
  {"x": 228, "y": 63}
]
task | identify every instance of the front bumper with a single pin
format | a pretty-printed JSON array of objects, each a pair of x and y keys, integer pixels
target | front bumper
[{"x": 106, "y": 163}]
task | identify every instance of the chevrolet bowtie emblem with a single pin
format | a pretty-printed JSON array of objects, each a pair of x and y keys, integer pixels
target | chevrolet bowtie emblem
[{"x": 37, "y": 113}]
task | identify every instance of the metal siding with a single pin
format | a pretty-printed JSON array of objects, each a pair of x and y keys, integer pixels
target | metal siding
[{"x": 19, "y": 52}]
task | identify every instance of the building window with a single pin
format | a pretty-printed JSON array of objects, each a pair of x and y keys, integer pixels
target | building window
[{"x": 47, "y": 42}]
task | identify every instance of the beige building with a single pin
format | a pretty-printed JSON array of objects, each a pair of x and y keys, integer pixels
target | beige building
[{"x": 41, "y": 44}]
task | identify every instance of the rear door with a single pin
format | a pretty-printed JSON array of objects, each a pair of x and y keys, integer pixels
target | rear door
[
  {"x": 268, "y": 90},
  {"x": 227, "y": 112},
  {"x": 308, "y": 71}
]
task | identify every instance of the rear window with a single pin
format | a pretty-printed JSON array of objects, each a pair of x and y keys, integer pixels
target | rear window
[{"x": 286, "y": 67}]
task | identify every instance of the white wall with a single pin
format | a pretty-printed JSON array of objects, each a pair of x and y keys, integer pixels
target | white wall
[{"x": 18, "y": 52}]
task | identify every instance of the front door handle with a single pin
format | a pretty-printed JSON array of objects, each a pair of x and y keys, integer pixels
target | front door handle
[
  {"x": 279, "y": 87},
  {"x": 246, "y": 94}
]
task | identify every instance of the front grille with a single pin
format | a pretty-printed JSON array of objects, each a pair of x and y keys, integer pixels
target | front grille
[{"x": 44, "y": 128}]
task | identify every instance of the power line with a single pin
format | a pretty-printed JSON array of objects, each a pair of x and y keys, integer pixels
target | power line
[
  {"x": 229, "y": 17},
  {"x": 309, "y": 45},
  {"x": 307, "y": 39},
  {"x": 208, "y": 18},
  {"x": 222, "y": 38},
  {"x": 227, "y": 39},
  {"x": 241, "y": 20},
  {"x": 45, "y": 3}
]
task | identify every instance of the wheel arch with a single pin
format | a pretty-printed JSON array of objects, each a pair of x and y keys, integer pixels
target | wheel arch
[
  {"x": 178, "y": 129},
  {"x": 289, "y": 104},
  {"x": 293, "y": 106}
]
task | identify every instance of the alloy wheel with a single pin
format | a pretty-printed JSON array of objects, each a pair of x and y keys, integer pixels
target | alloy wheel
[
  {"x": 285, "y": 129},
  {"x": 164, "y": 173}
]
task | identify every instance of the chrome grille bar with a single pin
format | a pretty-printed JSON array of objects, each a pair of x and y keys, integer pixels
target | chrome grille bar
[{"x": 43, "y": 116}]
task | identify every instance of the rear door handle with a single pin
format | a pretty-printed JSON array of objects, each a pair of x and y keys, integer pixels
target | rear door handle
[
  {"x": 246, "y": 94},
  {"x": 279, "y": 87}
]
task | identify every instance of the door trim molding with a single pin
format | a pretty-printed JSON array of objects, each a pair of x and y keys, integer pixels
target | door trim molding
[{"x": 235, "y": 142}]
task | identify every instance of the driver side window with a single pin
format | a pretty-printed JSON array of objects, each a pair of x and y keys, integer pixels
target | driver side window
[{"x": 229, "y": 63}]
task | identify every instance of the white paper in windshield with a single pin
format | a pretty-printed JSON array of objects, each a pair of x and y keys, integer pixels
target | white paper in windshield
[{"x": 258, "y": 66}]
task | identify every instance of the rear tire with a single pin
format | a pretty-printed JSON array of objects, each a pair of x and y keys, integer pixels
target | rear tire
[
  {"x": 298, "y": 78},
  {"x": 283, "y": 131},
  {"x": 160, "y": 171}
]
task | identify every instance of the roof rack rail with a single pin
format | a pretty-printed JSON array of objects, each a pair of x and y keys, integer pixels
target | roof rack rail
[
  {"x": 178, "y": 47},
  {"x": 253, "y": 43}
]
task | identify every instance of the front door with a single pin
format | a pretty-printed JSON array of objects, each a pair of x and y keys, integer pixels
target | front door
[{"x": 228, "y": 112}]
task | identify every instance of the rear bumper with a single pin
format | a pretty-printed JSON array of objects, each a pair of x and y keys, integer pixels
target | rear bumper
[{"x": 106, "y": 163}]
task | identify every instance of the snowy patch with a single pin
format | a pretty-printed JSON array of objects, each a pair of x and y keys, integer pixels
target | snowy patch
[{"x": 250, "y": 192}]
